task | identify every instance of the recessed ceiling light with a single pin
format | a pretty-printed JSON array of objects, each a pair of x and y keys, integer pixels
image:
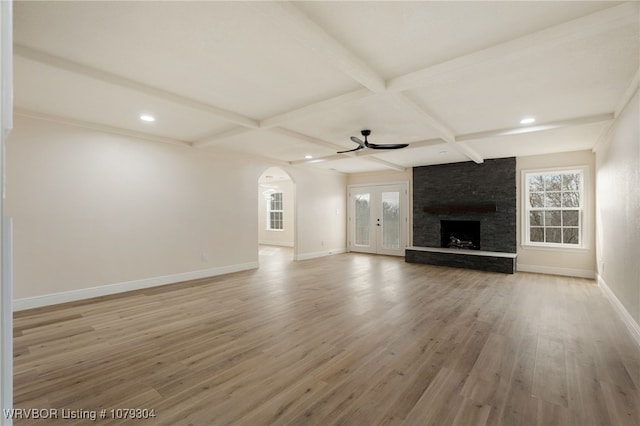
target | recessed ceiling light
[
  {"x": 308, "y": 157},
  {"x": 148, "y": 118},
  {"x": 527, "y": 120}
]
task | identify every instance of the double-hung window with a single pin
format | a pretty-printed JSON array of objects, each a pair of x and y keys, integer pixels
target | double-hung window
[
  {"x": 553, "y": 208},
  {"x": 275, "y": 212}
]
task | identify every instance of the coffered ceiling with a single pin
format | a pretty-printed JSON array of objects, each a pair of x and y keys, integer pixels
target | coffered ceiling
[{"x": 288, "y": 80}]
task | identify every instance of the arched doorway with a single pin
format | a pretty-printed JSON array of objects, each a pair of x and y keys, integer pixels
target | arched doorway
[{"x": 276, "y": 217}]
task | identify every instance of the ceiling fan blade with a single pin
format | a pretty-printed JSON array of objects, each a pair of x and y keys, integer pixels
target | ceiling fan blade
[
  {"x": 351, "y": 150},
  {"x": 361, "y": 145},
  {"x": 387, "y": 146},
  {"x": 366, "y": 144}
]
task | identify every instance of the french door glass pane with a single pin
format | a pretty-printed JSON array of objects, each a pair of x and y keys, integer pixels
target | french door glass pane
[
  {"x": 391, "y": 220},
  {"x": 363, "y": 209}
]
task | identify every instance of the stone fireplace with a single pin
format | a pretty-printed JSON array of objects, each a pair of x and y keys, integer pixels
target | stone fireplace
[{"x": 479, "y": 202}]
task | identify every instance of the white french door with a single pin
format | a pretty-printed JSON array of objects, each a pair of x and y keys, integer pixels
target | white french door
[{"x": 378, "y": 219}]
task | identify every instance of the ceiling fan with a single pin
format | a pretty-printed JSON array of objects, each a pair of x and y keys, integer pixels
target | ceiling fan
[{"x": 366, "y": 144}]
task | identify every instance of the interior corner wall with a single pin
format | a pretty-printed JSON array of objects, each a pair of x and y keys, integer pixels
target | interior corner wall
[
  {"x": 93, "y": 209},
  {"x": 618, "y": 209},
  {"x": 285, "y": 236},
  {"x": 571, "y": 262}
]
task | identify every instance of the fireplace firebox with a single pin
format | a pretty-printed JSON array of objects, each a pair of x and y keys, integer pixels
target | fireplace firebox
[{"x": 460, "y": 234}]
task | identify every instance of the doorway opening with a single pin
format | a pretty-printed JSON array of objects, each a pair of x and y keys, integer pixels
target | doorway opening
[{"x": 276, "y": 217}]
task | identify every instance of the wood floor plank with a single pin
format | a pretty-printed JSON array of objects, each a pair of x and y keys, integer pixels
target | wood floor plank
[
  {"x": 623, "y": 405},
  {"x": 433, "y": 406},
  {"x": 550, "y": 376},
  {"x": 351, "y": 339},
  {"x": 585, "y": 398},
  {"x": 471, "y": 413}
]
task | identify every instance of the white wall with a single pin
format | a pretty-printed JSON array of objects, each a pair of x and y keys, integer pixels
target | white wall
[
  {"x": 390, "y": 176},
  {"x": 6, "y": 312},
  {"x": 618, "y": 209},
  {"x": 285, "y": 236},
  {"x": 321, "y": 205},
  {"x": 572, "y": 262},
  {"x": 93, "y": 210}
]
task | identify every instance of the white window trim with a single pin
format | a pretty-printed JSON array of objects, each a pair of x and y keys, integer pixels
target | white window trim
[
  {"x": 584, "y": 217},
  {"x": 269, "y": 211}
]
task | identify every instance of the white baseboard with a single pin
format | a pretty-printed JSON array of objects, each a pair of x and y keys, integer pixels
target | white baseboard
[
  {"x": 632, "y": 325},
  {"x": 552, "y": 270},
  {"x": 275, "y": 243},
  {"x": 305, "y": 256},
  {"x": 87, "y": 293}
]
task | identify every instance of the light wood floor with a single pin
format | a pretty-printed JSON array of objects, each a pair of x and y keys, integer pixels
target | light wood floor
[{"x": 350, "y": 339}]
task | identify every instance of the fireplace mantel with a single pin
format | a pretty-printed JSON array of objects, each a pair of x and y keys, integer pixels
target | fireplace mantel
[{"x": 461, "y": 208}]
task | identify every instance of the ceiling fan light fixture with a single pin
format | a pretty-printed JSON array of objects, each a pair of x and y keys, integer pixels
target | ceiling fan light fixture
[{"x": 365, "y": 144}]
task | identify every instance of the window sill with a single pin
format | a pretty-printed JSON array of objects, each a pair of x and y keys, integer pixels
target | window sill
[
  {"x": 554, "y": 248},
  {"x": 275, "y": 230}
]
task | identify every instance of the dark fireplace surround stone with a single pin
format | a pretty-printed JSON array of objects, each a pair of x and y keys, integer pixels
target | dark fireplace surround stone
[{"x": 468, "y": 188}]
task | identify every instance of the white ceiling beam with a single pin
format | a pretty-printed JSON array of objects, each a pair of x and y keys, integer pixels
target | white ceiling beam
[
  {"x": 219, "y": 137},
  {"x": 320, "y": 159},
  {"x": 402, "y": 101},
  {"x": 97, "y": 74},
  {"x": 590, "y": 25},
  {"x": 385, "y": 163},
  {"x": 307, "y": 138},
  {"x": 468, "y": 151},
  {"x": 591, "y": 119},
  {"x": 99, "y": 127},
  {"x": 314, "y": 109},
  {"x": 442, "y": 129},
  {"x": 426, "y": 142},
  {"x": 628, "y": 94},
  {"x": 287, "y": 17},
  {"x": 364, "y": 155},
  {"x": 603, "y": 138}
]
